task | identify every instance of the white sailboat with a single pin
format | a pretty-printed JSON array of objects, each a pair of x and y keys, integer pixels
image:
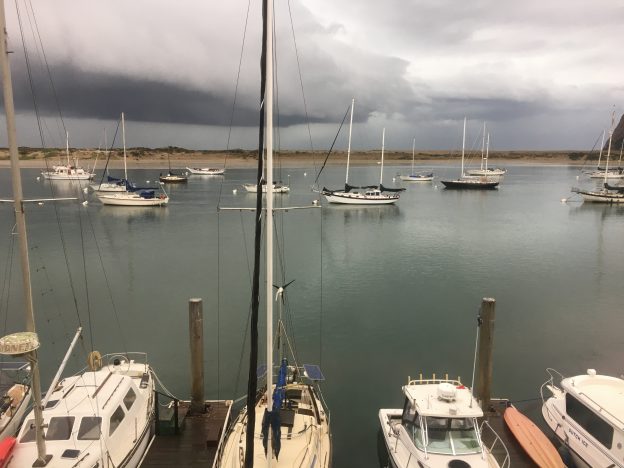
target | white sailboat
[
  {"x": 114, "y": 184},
  {"x": 467, "y": 181},
  {"x": 211, "y": 171},
  {"x": 67, "y": 171},
  {"x": 586, "y": 413},
  {"x": 484, "y": 170},
  {"x": 288, "y": 425},
  {"x": 276, "y": 187},
  {"x": 606, "y": 194},
  {"x": 372, "y": 194},
  {"x": 129, "y": 194},
  {"x": 414, "y": 176},
  {"x": 102, "y": 417},
  {"x": 599, "y": 173}
]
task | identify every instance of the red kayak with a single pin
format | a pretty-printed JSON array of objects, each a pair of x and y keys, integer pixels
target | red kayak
[{"x": 6, "y": 447}]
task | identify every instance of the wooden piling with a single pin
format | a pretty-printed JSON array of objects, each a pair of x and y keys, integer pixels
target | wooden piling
[
  {"x": 196, "y": 339},
  {"x": 485, "y": 351}
]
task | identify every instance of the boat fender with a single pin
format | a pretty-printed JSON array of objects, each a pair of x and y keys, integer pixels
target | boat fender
[
  {"x": 94, "y": 359},
  {"x": 162, "y": 196}
]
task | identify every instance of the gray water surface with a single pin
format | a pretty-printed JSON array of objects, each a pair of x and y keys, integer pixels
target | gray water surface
[{"x": 380, "y": 293}]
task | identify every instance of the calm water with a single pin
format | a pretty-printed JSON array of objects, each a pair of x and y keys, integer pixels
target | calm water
[{"x": 380, "y": 292}]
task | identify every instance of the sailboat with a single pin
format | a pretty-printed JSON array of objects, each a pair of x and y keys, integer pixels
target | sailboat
[
  {"x": 130, "y": 194},
  {"x": 100, "y": 417},
  {"x": 287, "y": 425},
  {"x": 608, "y": 193},
  {"x": 373, "y": 194},
  {"x": 15, "y": 396},
  {"x": 413, "y": 176},
  {"x": 484, "y": 170},
  {"x": 467, "y": 181},
  {"x": 172, "y": 177},
  {"x": 67, "y": 171},
  {"x": 115, "y": 184},
  {"x": 605, "y": 173}
]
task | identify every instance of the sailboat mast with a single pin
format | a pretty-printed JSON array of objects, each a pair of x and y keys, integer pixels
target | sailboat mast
[
  {"x": 20, "y": 221},
  {"x": 487, "y": 152},
  {"x": 601, "y": 146},
  {"x": 67, "y": 147},
  {"x": 268, "y": 101},
  {"x": 609, "y": 150},
  {"x": 413, "y": 151},
  {"x": 349, "y": 147},
  {"x": 463, "y": 149},
  {"x": 483, "y": 147},
  {"x": 123, "y": 137},
  {"x": 383, "y": 141}
]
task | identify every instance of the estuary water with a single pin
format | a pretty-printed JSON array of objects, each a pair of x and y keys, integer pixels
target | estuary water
[{"x": 380, "y": 293}]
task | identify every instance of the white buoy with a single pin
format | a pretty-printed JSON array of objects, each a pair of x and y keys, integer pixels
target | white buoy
[
  {"x": 315, "y": 202},
  {"x": 563, "y": 200},
  {"x": 394, "y": 179},
  {"x": 147, "y": 181},
  {"x": 85, "y": 203},
  {"x": 38, "y": 178},
  {"x": 234, "y": 191},
  {"x": 85, "y": 190},
  {"x": 305, "y": 174},
  {"x": 40, "y": 203},
  {"x": 577, "y": 177},
  {"x": 378, "y": 162},
  {"x": 435, "y": 187}
]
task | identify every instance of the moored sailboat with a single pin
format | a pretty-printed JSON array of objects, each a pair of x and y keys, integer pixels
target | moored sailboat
[
  {"x": 68, "y": 171},
  {"x": 286, "y": 424},
  {"x": 416, "y": 176},
  {"x": 467, "y": 181}
]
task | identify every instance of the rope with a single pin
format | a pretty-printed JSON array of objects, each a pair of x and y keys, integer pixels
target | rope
[
  {"x": 332, "y": 145},
  {"x": 166, "y": 390}
]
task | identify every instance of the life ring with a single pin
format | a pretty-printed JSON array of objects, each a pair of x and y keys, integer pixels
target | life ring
[{"x": 94, "y": 359}]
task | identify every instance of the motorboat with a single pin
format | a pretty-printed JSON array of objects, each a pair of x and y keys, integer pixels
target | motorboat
[
  {"x": 67, "y": 171},
  {"x": 277, "y": 188},
  {"x": 438, "y": 427},
  {"x": 205, "y": 171},
  {"x": 586, "y": 413}
]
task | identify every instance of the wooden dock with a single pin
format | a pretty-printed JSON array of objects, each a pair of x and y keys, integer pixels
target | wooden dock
[
  {"x": 196, "y": 440},
  {"x": 517, "y": 455}
]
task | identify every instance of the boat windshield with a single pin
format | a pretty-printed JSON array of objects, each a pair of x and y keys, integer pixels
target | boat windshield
[{"x": 452, "y": 436}]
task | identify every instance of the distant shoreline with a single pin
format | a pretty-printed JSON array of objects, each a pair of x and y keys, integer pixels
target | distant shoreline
[{"x": 180, "y": 158}]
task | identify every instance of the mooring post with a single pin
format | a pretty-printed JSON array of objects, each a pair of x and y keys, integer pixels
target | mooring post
[
  {"x": 196, "y": 338},
  {"x": 486, "y": 347}
]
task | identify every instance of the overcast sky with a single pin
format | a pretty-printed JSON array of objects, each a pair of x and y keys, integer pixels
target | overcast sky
[{"x": 542, "y": 74}]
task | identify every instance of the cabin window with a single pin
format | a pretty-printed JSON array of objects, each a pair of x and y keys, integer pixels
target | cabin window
[
  {"x": 129, "y": 399},
  {"x": 116, "y": 419},
  {"x": 597, "y": 427},
  {"x": 452, "y": 435},
  {"x": 90, "y": 428},
  {"x": 59, "y": 428},
  {"x": 409, "y": 412}
]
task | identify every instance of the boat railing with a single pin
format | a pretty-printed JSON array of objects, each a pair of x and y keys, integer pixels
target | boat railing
[
  {"x": 176, "y": 407},
  {"x": 433, "y": 381},
  {"x": 497, "y": 447},
  {"x": 138, "y": 357},
  {"x": 601, "y": 409},
  {"x": 553, "y": 374}
]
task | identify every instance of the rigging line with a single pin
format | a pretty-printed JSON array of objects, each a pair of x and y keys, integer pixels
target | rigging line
[
  {"x": 305, "y": 105},
  {"x": 45, "y": 59},
  {"x": 86, "y": 278},
  {"x": 240, "y": 64},
  {"x": 108, "y": 151},
  {"x": 29, "y": 70},
  {"x": 321, "y": 289},
  {"x": 219, "y": 304},
  {"x": 332, "y": 145}
]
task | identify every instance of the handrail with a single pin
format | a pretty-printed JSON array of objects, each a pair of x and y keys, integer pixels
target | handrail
[
  {"x": 434, "y": 381},
  {"x": 507, "y": 460}
]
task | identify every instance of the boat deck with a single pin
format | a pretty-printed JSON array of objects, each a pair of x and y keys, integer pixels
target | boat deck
[
  {"x": 196, "y": 443},
  {"x": 517, "y": 455}
]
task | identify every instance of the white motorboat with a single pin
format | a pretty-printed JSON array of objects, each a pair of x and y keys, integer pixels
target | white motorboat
[
  {"x": 286, "y": 424},
  {"x": 416, "y": 176},
  {"x": 438, "y": 427},
  {"x": 15, "y": 396},
  {"x": 586, "y": 413},
  {"x": 102, "y": 416},
  {"x": 67, "y": 171},
  {"x": 205, "y": 170}
]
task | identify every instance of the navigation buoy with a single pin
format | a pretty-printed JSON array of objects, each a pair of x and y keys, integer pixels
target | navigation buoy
[
  {"x": 234, "y": 191},
  {"x": 315, "y": 202},
  {"x": 85, "y": 203},
  {"x": 305, "y": 174},
  {"x": 85, "y": 190},
  {"x": 563, "y": 200},
  {"x": 147, "y": 181},
  {"x": 38, "y": 178}
]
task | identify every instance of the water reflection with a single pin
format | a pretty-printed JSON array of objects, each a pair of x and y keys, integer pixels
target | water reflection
[
  {"x": 135, "y": 213},
  {"x": 362, "y": 213}
]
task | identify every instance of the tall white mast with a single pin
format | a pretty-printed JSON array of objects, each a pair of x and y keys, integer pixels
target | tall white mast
[
  {"x": 601, "y": 146},
  {"x": 123, "y": 137},
  {"x": 609, "y": 150},
  {"x": 483, "y": 146},
  {"x": 20, "y": 221},
  {"x": 268, "y": 103},
  {"x": 67, "y": 147},
  {"x": 463, "y": 149},
  {"x": 349, "y": 147},
  {"x": 487, "y": 152},
  {"x": 413, "y": 151},
  {"x": 383, "y": 140}
]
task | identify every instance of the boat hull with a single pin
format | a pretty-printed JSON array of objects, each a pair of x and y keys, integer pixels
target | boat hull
[
  {"x": 417, "y": 178},
  {"x": 53, "y": 176},
  {"x": 253, "y": 188},
  {"x": 173, "y": 179},
  {"x": 347, "y": 198},
  {"x": 601, "y": 196},
  {"x": 205, "y": 171},
  {"x": 470, "y": 184},
  {"x": 117, "y": 199},
  {"x": 488, "y": 172}
]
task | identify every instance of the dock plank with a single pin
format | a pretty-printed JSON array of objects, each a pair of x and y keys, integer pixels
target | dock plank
[{"x": 196, "y": 444}]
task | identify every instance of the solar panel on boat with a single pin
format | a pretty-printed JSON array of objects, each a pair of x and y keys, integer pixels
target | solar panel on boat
[{"x": 313, "y": 372}]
